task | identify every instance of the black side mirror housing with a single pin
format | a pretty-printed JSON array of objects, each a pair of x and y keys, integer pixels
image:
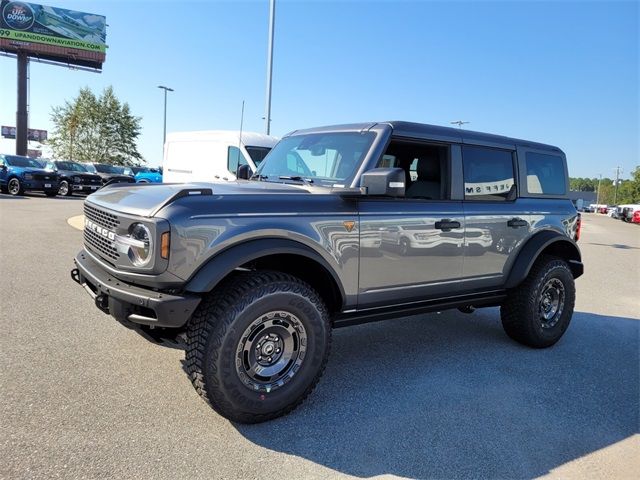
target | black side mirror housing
[
  {"x": 387, "y": 182},
  {"x": 243, "y": 172}
]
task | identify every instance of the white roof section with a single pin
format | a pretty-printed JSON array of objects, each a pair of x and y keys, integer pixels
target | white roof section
[{"x": 251, "y": 139}]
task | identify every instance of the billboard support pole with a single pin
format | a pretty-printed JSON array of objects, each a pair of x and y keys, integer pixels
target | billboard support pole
[{"x": 22, "y": 114}]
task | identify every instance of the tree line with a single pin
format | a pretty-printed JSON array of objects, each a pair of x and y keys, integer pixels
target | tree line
[{"x": 628, "y": 190}]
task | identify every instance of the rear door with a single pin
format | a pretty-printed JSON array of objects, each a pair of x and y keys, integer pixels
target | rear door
[{"x": 496, "y": 220}]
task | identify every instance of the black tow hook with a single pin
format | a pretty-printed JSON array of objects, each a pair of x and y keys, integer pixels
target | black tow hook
[
  {"x": 75, "y": 276},
  {"x": 102, "y": 302}
]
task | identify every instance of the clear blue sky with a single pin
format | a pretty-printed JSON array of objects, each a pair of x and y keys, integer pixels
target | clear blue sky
[{"x": 564, "y": 73}]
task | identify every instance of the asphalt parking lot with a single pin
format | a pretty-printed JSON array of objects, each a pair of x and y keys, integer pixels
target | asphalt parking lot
[{"x": 433, "y": 396}]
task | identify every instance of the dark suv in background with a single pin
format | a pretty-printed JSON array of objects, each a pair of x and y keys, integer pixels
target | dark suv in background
[
  {"x": 74, "y": 177},
  {"x": 109, "y": 173},
  {"x": 339, "y": 225},
  {"x": 19, "y": 174}
]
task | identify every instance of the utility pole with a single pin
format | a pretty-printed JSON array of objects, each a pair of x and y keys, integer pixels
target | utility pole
[
  {"x": 272, "y": 18},
  {"x": 598, "y": 194},
  {"x": 615, "y": 191}
]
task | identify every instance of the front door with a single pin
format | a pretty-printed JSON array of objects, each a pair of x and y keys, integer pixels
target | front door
[
  {"x": 411, "y": 248},
  {"x": 418, "y": 255}
]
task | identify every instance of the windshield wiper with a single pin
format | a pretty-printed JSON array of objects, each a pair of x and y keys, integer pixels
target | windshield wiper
[
  {"x": 257, "y": 176},
  {"x": 297, "y": 178}
]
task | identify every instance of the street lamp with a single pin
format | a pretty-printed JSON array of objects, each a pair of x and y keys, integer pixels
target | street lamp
[{"x": 164, "y": 134}]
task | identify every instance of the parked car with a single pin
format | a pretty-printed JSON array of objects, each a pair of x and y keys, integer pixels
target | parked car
[
  {"x": 255, "y": 274},
  {"x": 208, "y": 156},
  {"x": 636, "y": 217},
  {"x": 147, "y": 175},
  {"x": 74, "y": 177},
  {"x": 19, "y": 174},
  {"x": 109, "y": 173}
]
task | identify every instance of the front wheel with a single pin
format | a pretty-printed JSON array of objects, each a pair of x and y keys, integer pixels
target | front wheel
[
  {"x": 65, "y": 190},
  {"x": 15, "y": 187},
  {"x": 539, "y": 310},
  {"x": 257, "y": 346}
]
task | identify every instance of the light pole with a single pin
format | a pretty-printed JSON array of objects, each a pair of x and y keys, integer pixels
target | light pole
[
  {"x": 164, "y": 134},
  {"x": 272, "y": 18},
  {"x": 459, "y": 123}
]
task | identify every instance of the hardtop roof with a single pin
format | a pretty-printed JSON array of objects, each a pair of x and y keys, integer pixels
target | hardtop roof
[{"x": 435, "y": 132}]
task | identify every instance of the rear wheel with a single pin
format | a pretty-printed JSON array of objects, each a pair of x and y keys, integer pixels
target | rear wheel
[
  {"x": 15, "y": 187},
  {"x": 257, "y": 346},
  {"x": 539, "y": 310}
]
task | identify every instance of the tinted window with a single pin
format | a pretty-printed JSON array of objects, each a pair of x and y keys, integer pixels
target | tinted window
[
  {"x": 545, "y": 174},
  {"x": 488, "y": 173},
  {"x": 16, "y": 161},
  {"x": 235, "y": 158},
  {"x": 257, "y": 154}
]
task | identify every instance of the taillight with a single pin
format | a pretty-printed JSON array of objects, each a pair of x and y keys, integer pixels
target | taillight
[{"x": 578, "y": 227}]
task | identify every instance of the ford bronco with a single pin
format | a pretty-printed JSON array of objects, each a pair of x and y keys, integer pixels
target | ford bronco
[{"x": 339, "y": 225}]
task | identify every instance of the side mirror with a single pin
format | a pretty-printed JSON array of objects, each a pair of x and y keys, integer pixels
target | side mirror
[
  {"x": 3, "y": 167},
  {"x": 243, "y": 172},
  {"x": 388, "y": 182}
]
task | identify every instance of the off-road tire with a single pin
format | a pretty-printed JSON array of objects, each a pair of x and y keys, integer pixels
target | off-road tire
[
  {"x": 520, "y": 312},
  {"x": 216, "y": 330}
]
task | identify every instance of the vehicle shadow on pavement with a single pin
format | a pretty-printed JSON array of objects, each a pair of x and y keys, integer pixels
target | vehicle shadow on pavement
[{"x": 450, "y": 396}]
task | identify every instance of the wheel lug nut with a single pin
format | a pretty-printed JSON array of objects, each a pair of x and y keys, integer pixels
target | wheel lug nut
[
  {"x": 269, "y": 359},
  {"x": 277, "y": 350}
]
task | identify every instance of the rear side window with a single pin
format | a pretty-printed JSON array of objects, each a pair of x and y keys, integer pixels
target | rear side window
[
  {"x": 488, "y": 173},
  {"x": 545, "y": 174}
]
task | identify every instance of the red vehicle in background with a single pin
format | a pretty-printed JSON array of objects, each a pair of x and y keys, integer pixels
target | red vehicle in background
[
  {"x": 602, "y": 209},
  {"x": 636, "y": 217}
]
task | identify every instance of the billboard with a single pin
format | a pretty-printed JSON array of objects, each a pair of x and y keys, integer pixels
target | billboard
[
  {"x": 53, "y": 33},
  {"x": 32, "y": 133}
]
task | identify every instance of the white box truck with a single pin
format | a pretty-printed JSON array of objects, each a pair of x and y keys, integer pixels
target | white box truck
[{"x": 212, "y": 155}]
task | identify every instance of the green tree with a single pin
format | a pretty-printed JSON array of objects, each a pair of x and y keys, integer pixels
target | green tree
[{"x": 96, "y": 129}]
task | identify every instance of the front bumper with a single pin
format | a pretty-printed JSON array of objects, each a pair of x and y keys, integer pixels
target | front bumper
[
  {"x": 42, "y": 185},
  {"x": 130, "y": 303},
  {"x": 80, "y": 187}
]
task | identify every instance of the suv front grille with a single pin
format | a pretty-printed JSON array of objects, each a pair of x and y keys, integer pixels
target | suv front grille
[
  {"x": 97, "y": 242},
  {"x": 101, "y": 244},
  {"x": 102, "y": 218}
]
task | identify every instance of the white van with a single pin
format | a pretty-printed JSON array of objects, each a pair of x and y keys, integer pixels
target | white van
[{"x": 211, "y": 155}]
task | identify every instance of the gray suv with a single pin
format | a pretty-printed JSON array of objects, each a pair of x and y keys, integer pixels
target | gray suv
[{"x": 339, "y": 225}]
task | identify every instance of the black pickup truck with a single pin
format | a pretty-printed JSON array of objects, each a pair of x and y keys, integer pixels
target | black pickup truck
[{"x": 339, "y": 225}]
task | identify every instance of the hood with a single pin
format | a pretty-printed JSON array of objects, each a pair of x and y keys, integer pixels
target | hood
[
  {"x": 39, "y": 171},
  {"x": 85, "y": 175},
  {"x": 145, "y": 199}
]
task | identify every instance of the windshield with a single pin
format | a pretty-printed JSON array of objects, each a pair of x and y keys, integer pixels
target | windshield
[
  {"x": 318, "y": 157},
  {"x": 14, "y": 161},
  {"x": 257, "y": 154},
  {"x": 103, "y": 168},
  {"x": 71, "y": 166}
]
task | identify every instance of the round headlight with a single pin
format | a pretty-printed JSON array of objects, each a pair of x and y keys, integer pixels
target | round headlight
[{"x": 141, "y": 246}]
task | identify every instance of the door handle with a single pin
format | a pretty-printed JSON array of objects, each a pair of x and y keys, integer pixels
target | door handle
[
  {"x": 517, "y": 222},
  {"x": 447, "y": 224}
]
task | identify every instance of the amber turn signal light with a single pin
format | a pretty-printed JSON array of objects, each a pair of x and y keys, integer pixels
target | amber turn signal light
[{"x": 165, "y": 242}]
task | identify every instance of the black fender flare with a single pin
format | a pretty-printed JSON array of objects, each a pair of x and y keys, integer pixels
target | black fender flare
[
  {"x": 548, "y": 239},
  {"x": 219, "y": 266}
]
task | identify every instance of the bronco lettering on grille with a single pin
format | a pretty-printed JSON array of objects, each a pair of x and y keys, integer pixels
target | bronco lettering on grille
[{"x": 88, "y": 224}]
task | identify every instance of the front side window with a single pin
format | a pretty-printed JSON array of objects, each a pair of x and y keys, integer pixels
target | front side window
[
  {"x": 488, "y": 173},
  {"x": 235, "y": 158},
  {"x": 545, "y": 174},
  {"x": 104, "y": 168},
  {"x": 324, "y": 158}
]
